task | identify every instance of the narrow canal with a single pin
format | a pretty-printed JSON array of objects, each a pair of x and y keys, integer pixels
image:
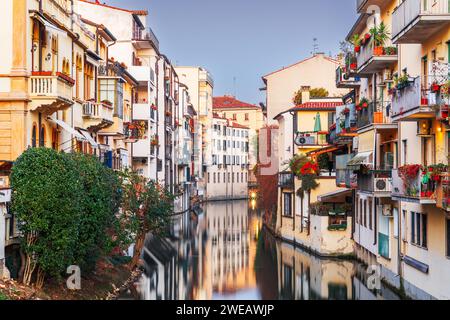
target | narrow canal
[{"x": 225, "y": 253}]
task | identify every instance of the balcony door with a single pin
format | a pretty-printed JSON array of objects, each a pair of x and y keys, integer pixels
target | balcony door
[{"x": 427, "y": 151}]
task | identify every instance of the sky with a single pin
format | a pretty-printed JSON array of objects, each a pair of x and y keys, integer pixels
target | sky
[{"x": 239, "y": 41}]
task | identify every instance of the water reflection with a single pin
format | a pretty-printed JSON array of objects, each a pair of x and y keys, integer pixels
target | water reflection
[{"x": 224, "y": 253}]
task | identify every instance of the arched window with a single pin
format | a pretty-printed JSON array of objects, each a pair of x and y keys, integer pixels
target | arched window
[
  {"x": 33, "y": 136},
  {"x": 54, "y": 139},
  {"x": 42, "y": 137}
]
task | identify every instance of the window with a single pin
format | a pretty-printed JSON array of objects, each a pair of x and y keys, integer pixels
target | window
[
  {"x": 237, "y": 177},
  {"x": 403, "y": 223},
  {"x": 42, "y": 137},
  {"x": 208, "y": 177},
  {"x": 370, "y": 214},
  {"x": 246, "y": 117},
  {"x": 218, "y": 177},
  {"x": 214, "y": 177},
  {"x": 232, "y": 177},
  {"x": 395, "y": 213},
  {"x": 287, "y": 204},
  {"x": 365, "y": 214},
  {"x": 229, "y": 177},
  {"x": 224, "y": 177},
  {"x": 34, "y": 137},
  {"x": 234, "y": 116},
  {"x": 419, "y": 229},
  {"x": 242, "y": 177}
]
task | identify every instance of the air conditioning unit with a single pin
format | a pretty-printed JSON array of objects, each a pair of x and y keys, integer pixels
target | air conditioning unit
[
  {"x": 301, "y": 140},
  {"x": 383, "y": 185}
]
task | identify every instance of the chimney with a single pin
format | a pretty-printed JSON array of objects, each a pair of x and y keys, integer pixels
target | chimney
[{"x": 305, "y": 93}]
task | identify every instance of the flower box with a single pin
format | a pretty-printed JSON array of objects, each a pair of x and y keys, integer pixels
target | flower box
[
  {"x": 424, "y": 101},
  {"x": 66, "y": 78},
  {"x": 41, "y": 73}
]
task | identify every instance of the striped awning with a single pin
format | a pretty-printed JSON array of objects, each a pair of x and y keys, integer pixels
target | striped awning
[{"x": 360, "y": 159}]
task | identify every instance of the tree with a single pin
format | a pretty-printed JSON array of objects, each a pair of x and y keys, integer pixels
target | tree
[
  {"x": 100, "y": 205},
  {"x": 146, "y": 207},
  {"x": 46, "y": 199},
  {"x": 313, "y": 93},
  {"x": 67, "y": 207},
  {"x": 318, "y": 93}
]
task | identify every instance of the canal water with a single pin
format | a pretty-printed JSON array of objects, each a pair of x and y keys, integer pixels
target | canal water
[{"x": 224, "y": 253}]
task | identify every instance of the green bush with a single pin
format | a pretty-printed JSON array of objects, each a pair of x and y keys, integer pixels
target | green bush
[{"x": 67, "y": 207}]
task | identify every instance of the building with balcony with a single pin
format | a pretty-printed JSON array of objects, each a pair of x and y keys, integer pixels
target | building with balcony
[
  {"x": 401, "y": 149},
  {"x": 227, "y": 177}
]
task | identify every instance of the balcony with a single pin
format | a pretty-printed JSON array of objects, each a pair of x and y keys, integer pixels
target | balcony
[
  {"x": 374, "y": 113},
  {"x": 97, "y": 115},
  {"x": 286, "y": 180},
  {"x": 377, "y": 182},
  {"x": 145, "y": 39},
  {"x": 369, "y": 61},
  {"x": 344, "y": 176},
  {"x": 311, "y": 139},
  {"x": 50, "y": 93},
  {"x": 412, "y": 188},
  {"x": 412, "y": 101},
  {"x": 416, "y": 21},
  {"x": 144, "y": 111},
  {"x": 344, "y": 80}
]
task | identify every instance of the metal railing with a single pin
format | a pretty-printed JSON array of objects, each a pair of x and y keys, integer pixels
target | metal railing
[
  {"x": 408, "y": 11},
  {"x": 98, "y": 110},
  {"x": 146, "y": 34}
]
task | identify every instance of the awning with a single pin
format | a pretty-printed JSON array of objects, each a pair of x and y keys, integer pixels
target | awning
[
  {"x": 318, "y": 152},
  {"x": 67, "y": 128},
  {"x": 337, "y": 196},
  {"x": 88, "y": 137},
  {"x": 360, "y": 159},
  {"x": 48, "y": 25},
  {"x": 93, "y": 58}
]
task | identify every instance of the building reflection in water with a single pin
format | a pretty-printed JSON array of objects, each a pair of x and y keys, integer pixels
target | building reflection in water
[{"x": 224, "y": 253}]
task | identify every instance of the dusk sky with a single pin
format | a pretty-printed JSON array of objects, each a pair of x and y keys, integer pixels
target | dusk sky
[{"x": 245, "y": 39}]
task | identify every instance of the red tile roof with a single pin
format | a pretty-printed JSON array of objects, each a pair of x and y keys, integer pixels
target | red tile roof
[
  {"x": 97, "y": 2},
  {"x": 239, "y": 126},
  {"x": 230, "y": 102}
]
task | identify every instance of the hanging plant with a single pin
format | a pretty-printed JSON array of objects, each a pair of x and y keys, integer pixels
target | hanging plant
[{"x": 364, "y": 103}]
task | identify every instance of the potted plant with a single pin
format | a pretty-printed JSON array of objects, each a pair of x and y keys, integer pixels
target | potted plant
[
  {"x": 356, "y": 41},
  {"x": 435, "y": 88},
  {"x": 380, "y": 35},
  {"x": 364, "y": 103}
]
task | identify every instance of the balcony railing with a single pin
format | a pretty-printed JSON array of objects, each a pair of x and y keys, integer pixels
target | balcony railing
[
  {"x": 311, "y": 139},
  {"x": 375, "y": 113},
  {"x": 377, "y": 181},
  {"x": 414, "y": 21},
  {"x": 344, "y": 80},
  {"x": 146, "y": 35},
  {"x": 414, "y": 188},
  {"x": 98, "y": 110},
  {"x": 344, "y": 176},
  {"x": 51, "y": 90},
  {"x": 286, "y": 180},
  {"x": 414, "y": 98},
  {"x": 369, "y": 61}
]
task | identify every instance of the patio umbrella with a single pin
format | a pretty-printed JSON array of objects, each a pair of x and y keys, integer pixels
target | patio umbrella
[{"x": 317, "y": 125}]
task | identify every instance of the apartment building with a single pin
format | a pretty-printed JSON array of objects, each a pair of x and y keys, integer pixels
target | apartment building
[
  {"x": 201, "y": 86},
  {"x": 227, "y": 177},
  {"x": 401, "y": 151},
  {"x": 245, "y": 114}
]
